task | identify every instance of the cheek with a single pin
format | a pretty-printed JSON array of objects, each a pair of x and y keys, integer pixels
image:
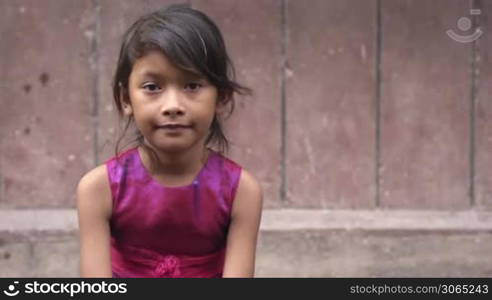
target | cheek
[
  {"x": 142, "y": 118},
  {"x": 210, "y": 103},
  {"x": 204, "y": 116},
  {"x": 208, "y": 112}
]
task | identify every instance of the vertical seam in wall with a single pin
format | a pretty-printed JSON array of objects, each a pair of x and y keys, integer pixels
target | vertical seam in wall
[
  {"x": 283, "y": 105},
  {"x": 1, "y": 182},
  {"x": 377, "y": 103},
  {"x": 94, "y": 67},
  {"x": 2, "y": 195},
  {"x": 473, "y": 96}
]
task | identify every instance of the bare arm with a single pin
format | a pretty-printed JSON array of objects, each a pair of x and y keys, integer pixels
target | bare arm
[
  {"x": 243, "y": 231},
  {"x": 94, "y": 210}
]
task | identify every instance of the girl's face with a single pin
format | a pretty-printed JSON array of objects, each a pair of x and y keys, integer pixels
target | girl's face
[{"x": 172, "y": 108}]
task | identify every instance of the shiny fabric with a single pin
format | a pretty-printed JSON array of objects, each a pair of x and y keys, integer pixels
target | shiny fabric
[{"x": 159, "y": 231}]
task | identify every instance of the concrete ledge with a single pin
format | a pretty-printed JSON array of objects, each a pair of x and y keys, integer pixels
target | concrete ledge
[
  {"x": 292, "y": 243},
  {"x": 356, "y": 253},
  {"x": 287, "y": 220},
  {"x": 38, "y": 220},
  {"x": 65, "y": 220}
]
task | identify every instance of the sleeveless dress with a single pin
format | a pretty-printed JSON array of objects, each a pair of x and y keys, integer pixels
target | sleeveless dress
[{"x": 159, "y": 231}]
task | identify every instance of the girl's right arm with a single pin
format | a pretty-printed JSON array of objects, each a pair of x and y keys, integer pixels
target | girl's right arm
[{"x": 94, "y": 210}]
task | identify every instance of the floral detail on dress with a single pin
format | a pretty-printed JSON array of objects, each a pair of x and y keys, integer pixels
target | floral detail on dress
[{"x": 168, "y": 267}]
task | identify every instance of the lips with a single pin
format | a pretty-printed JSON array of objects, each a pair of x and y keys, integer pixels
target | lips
[{"x": 173, "y": 126}]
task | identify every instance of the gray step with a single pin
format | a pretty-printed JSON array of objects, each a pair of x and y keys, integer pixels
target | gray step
[{"x": 292, "y": 243}]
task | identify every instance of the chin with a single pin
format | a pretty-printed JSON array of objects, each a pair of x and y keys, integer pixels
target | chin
[
  {"x": 172, "y": 147},
  {"x": 173, "y": 144}
]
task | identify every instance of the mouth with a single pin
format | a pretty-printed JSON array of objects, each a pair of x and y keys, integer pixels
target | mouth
[{"x": 173, "y": 126}]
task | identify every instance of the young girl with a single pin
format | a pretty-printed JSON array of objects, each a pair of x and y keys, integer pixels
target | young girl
[{"x": 172, "y": 206}]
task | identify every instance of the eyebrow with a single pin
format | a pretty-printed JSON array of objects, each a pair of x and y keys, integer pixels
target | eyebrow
[
  {"x": 152, "y": 74},
  {"x": 187, "y": 75}
]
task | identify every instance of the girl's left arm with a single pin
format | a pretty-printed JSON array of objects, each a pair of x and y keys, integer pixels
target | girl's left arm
[{"x": 244, "y": 227}]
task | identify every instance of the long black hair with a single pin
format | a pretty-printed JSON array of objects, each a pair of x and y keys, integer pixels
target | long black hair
[{"x": 193, "y": 43}]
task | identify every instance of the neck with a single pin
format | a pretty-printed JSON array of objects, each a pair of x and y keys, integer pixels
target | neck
[{"x": 173, "y": 163}]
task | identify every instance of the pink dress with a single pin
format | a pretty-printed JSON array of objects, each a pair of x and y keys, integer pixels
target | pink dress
[{"x": 159, "y": 231}]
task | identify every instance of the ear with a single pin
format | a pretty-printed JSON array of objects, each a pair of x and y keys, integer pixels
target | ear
[
  {"x": 223, "y": 103},
  {"x": 221, "y": 108},
  {"x": 125, "y": 100},
  {"x": 127, "y": 108}
]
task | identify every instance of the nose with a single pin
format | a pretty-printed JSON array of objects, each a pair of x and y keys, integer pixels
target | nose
[{"x": 172, "y": 104}]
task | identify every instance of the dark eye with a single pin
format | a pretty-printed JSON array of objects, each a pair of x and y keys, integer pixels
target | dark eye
[
  {"x": 193, "y": 86},
  {"x": 151, "y": 87}
]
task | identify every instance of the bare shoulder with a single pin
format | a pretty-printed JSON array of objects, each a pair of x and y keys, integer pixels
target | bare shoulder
[
  {"x": 94, "y": 193},
  {"x": 248, "y": 183},
  {"x": 249, "y": 195},
  {"x": 95, "y": 180}
]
